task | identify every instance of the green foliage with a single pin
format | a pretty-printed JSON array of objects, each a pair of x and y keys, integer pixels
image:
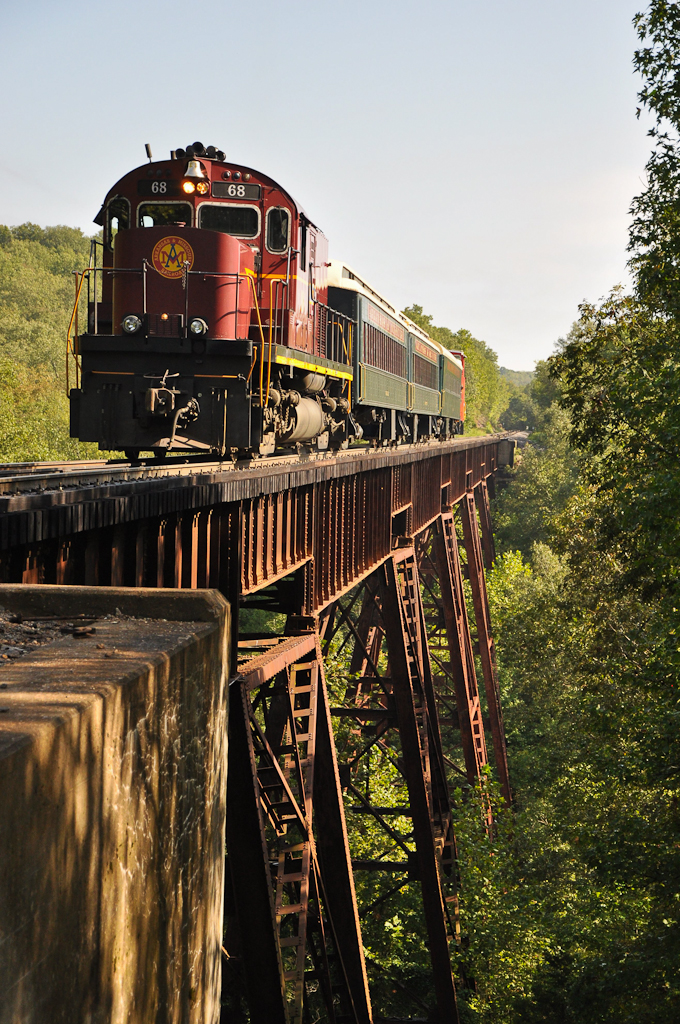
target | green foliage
[
  {"x": 37, "y": 291},
  {"x": 36, "y": 300},
  {"x": 519, "y": 378},
  {"x": 486, "y": 389},
  {"x": 620, "y": 382},
  {"x": 34, "y": 417},
  {"x": 529, "y": 406},
  {"x": 543, "y": 480},
  {"x": 655, "y": 231},
  {"x": 587, "y": 873}
]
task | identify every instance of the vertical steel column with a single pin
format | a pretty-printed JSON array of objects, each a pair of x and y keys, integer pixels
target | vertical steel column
[
  {"x": 484, "y": 512},
  {"x": 296, "y": 905},
  {"x": 249, "y": 864},
  {"x": 334, "y": 857},
  {"x": 460, "y": 647},
  {"x": 402, "y": 609},
  {"x": 487, "y": 652}
]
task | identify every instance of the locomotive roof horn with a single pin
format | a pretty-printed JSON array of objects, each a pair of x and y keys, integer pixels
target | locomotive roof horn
[{"x": 198, "y": 149}]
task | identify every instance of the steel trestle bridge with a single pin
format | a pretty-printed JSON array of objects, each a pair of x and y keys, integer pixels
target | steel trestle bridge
[{"x": 365, "y": 551}]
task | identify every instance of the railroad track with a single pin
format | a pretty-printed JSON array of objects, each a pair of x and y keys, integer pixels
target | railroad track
[{"x": 26, "y": 478}]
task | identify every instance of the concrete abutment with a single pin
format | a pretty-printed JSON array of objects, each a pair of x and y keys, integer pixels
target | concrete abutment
[{"x": 113, "y": 758}]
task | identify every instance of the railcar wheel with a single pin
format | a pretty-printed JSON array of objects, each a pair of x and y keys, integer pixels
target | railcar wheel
[
  {"x": 160, "y": 454},
  {"x": 132, "y": 454}
]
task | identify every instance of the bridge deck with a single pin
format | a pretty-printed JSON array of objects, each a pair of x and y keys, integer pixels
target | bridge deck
[{"x": 237, "y": 527}]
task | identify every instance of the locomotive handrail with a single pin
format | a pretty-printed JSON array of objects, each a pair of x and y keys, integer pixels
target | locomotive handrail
[
  {"x": 259, "y": 321},
  {"x": 282, "y": 288},
  {"x": 80, "y": 276},
  {"x": 70, "y": 350}
]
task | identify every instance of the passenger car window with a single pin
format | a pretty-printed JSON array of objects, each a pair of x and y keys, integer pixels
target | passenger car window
[
  {"x": 277, "y": 229},
  {"x": 242, "y": 221},
  {"x": 153, "y": 215}
]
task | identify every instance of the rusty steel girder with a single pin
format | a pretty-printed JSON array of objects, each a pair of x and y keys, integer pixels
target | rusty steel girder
[
  {"x": 487, "y": 650},
  {"x": 330, "y": 522},
  {"x": 300, "y": 940},
  {"x": 361, "y": 552}
]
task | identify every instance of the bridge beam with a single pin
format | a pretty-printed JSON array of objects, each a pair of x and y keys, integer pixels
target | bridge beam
[{"x": 487, "y": 651}]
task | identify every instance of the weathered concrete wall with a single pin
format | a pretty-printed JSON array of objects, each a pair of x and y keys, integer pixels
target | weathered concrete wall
[{"x": 112, "y": 810}]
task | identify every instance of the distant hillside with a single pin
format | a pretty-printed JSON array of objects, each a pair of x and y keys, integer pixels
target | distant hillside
[
  {"x": 36, "y": 299},
  {"x": 520, "y": 378}
]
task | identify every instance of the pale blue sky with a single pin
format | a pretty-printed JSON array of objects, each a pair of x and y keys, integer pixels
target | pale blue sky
[{"x": 477, "y": 157}]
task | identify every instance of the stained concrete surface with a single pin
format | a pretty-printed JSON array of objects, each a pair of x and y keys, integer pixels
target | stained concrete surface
[{"x": 112, "y": 810}]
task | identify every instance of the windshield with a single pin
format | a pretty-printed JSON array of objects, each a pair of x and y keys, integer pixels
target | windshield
[
  {"x": 153, "y": 215},
  {"x": 242, "y": 221}
]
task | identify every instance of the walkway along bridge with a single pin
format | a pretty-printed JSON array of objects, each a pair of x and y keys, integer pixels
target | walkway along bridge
[{"x": 365, "y": 552}]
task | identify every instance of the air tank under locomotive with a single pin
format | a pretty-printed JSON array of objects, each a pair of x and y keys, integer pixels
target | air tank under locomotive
[{"x": 210, "y": 328}]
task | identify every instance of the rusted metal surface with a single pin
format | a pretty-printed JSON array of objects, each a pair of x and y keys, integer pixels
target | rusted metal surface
[
  {"x": 330, "y": 520},
  {"x": 487, "y": 651},
  {"x": 450, "y": 642},
  {"x": 360, "y": 551},
  {"x": 484, "y": 513},
  {"x": 294, "y": 856}
]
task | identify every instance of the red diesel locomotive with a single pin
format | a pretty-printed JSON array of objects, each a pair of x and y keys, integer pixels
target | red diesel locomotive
[{"x": 223, "y": 328}]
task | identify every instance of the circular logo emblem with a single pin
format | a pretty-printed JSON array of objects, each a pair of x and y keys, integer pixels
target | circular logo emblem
[{"x": 170, "y": 255}]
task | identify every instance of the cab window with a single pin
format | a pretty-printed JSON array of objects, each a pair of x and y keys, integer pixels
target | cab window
[
  {"x": 242, "y": 221},
  {"x": 152, "y": 215},
  {"x": 117, "y": 219},
  {"x": 303, "y": 245},
  {"x": 277, "y": 229}
]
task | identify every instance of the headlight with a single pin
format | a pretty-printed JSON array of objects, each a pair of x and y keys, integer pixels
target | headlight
[
  {"x": 131, "y": 324},
  {"x": 198, "y": 326},
  {"x": 202, "y": 187},
  {"x": 188, "y": 187}
]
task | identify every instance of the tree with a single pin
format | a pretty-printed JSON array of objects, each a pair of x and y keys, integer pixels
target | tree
[
  {"x": 36, "y": 299},
  {"x": 655, "y": 230},
  {"x": 487, "y": 391}
]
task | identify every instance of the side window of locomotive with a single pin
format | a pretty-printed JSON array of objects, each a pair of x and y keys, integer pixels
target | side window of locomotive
[
  {"x": 117, "y": 219},
  {"x": 153, "y": 215},
  {"x": 277, "y": 229},
  {"x": 242, "y": 221},
  {"x": 303, "y": 245}
]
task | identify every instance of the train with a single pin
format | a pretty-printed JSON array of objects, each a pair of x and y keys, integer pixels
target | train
[{"x": 218, "y": 325}]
